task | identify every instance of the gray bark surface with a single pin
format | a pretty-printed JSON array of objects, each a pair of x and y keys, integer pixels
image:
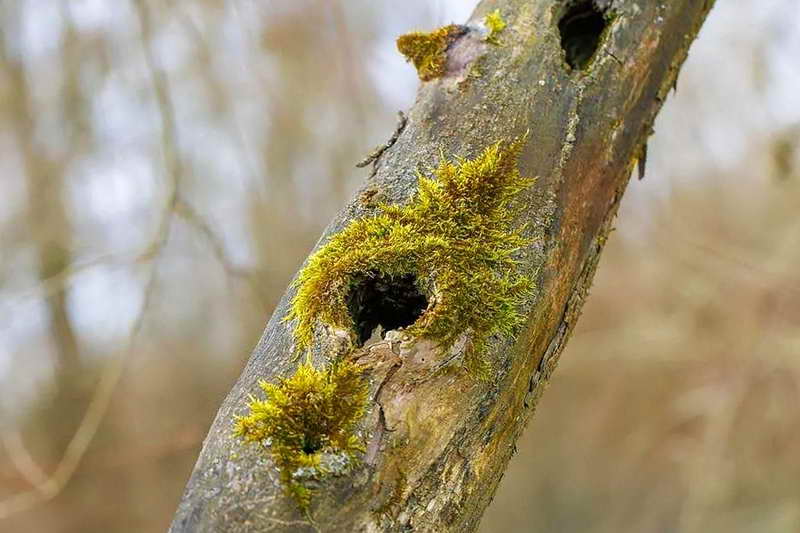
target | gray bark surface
[{"x": 439, "y": 442}]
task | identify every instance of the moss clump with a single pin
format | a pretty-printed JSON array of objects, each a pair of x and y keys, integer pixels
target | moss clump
[
  {"x": 495, "y": 24},
  {"x": 428, "y": 51},
  {"x": 308, "y": 422},
  {"x": 455, "y": 238}
]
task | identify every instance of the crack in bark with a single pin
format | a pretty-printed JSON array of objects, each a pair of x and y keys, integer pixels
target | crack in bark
[
  {"x": 377, "y": 152},
  {"x": 374, "y": 446}
]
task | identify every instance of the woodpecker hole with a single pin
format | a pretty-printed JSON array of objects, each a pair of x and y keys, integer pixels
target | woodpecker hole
[
  {"x": 310, "y": 448},
  {"x": 389, "y": 302},
  {"x": 581, "y": 27}
]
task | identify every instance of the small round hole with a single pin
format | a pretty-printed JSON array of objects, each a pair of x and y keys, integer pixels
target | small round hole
[{"x": 581, "y": 27}]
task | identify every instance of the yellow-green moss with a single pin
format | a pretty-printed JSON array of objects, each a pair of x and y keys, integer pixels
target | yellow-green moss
[
  {"x": 307, "y": 422},
  {"x": 428, "y": 51},
  {"x": 495, "y": 24},
  {"x": 456, "y": 237}
]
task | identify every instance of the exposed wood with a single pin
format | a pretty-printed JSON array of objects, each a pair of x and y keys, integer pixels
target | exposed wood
[{"x": 439, "y": 442}]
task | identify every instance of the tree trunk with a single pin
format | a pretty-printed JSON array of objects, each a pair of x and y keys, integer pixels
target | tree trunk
[{"x": 437, "y": 443}]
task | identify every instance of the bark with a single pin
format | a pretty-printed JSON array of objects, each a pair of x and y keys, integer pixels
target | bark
[{"x": 439, "y": 442}]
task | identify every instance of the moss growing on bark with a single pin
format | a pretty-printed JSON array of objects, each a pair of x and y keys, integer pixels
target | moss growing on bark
[
  {"x": 494, "y": 24},
  {"x": 455, "y": 240},
  {"x": 428, "y": 51},
  {"x": 307, "y": 422}
]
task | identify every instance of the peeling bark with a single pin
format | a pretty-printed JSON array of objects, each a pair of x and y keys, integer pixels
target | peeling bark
[{"x": 437, "y": 439}]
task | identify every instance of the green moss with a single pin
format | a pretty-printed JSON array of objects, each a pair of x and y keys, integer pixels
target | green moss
[
  {"x": 308, "y": 421},
  {"x": 455, "y": 238},
  {"x": 428, "y": 51},
  {"x": 495, "y": 24}
]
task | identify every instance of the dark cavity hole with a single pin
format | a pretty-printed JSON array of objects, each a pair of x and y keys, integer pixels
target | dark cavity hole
[
  {"x": 389, "y": 302},
  {"x": 311, "y": 447},
  {"x": 581, "y": 28}
]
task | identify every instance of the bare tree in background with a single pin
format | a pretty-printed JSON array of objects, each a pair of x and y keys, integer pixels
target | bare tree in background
[{"x": 49, "y": 227}]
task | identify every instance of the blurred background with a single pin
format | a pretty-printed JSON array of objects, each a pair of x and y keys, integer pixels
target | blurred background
[{"x": 166, "y": 165}]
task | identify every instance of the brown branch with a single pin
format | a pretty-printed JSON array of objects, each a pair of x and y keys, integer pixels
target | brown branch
[{"x": 452, "y": 435}]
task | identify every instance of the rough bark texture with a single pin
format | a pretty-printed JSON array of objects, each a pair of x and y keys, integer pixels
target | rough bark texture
[{"x": 439, "y": 442}]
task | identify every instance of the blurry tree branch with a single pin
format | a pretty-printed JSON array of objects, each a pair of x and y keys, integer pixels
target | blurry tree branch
[
  {"x": 21, "y": 458},
  {"x": 53, "y": 285},
  {"x": 61, "y": 278},
  {"x": 439, "y": 444},
  {"x": 197, "y": 221},
  {"x": 47, "y": 219},
  {"x": 27, "y": 470},
  {"x": 49, "y": 487}
]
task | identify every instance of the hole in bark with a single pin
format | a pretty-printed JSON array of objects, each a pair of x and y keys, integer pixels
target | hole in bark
[
  {"x": 581, "y": 28},
  {"x": 389, "y": 302},
  {"x": 310, "y": 448}
]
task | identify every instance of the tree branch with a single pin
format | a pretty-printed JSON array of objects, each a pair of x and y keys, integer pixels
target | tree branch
[{"x": 438, "y": 442}]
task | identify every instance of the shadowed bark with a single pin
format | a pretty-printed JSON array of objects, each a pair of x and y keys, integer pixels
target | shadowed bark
[{"x": 586, "y": 80}]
